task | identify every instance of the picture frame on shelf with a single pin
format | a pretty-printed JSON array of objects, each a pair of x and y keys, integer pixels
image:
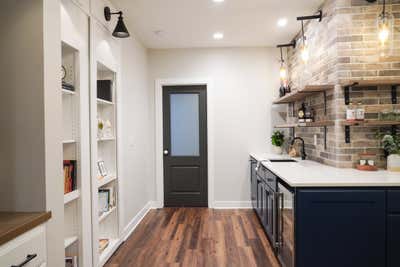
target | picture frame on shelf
[
  {"x": 104, "y": 201},
  {"x": 102, "y": 168}
]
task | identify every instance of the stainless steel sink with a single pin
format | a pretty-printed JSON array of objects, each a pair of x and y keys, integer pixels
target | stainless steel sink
[{"x": 282, "y": 160}]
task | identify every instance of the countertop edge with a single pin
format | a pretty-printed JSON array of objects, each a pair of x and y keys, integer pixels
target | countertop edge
[{"x": 25, "y": 227}]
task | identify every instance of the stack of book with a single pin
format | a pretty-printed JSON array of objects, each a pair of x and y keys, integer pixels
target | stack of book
[
  {"x": 69, "y": 176},
  {"x": 67, "y": 86}
]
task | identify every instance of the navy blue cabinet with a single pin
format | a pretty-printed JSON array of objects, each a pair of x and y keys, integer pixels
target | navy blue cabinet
[
  {"x": 345, "y": 228},
  {"x": 393, "y": 240}
]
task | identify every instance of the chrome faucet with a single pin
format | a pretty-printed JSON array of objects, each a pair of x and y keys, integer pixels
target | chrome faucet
[{"x": 303, "y": 149}]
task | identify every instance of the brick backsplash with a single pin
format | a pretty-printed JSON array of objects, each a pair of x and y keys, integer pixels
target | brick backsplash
[{"x": 344, "y": 47}]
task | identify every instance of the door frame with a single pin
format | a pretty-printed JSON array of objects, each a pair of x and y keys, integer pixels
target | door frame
[{"x": 159, "y": 142}]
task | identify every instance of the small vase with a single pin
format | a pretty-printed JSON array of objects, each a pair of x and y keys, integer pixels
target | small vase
[
  {"x": 277, "y": 150},
  {"x": 393, "y": 163}
]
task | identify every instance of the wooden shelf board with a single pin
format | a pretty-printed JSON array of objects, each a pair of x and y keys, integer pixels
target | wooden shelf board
[
  {"x": 289, "y": 125},
  {"x": 317, "y": 124},
  {"x": 371, "y": 82},
  {"x": 65, "y": 142},
  {"x": 307, "y": 124},
  {"x": 68, "y": 92},
  {"x": 104, "y": 102},
  {"x": 106, "y": 180},
  {"x": 106, "y": 139},
  {"x": 301, "y": 94},
  {"x": 71, "y": 196},
  {"x": 108, "y": 251},
  {"x": 70, "y": 241},
  {"x": 367, "y": 123},
  {"x": 106, "y": 214}
]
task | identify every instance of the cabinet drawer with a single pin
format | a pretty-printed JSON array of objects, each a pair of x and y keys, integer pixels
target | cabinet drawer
[
  {"x": 393, "y": 240},
  {"x": 393, "y": 199},
  {"x": 16, "y": 251}
]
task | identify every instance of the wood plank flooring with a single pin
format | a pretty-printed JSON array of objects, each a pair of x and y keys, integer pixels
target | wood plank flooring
[{"x": 196, "y": 237}]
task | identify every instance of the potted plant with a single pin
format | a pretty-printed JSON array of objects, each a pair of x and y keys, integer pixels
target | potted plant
[
  {"x": 391, "y": 145},
  {"x": 277, "y": 140}
]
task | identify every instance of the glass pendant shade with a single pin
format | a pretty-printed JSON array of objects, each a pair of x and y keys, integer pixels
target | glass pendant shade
[
  {"x": 305, "y": 51},
  {"x": 385, "y": 25},
  {"x": 283, "y": 73},
  {"x": 120, "y": 30}
]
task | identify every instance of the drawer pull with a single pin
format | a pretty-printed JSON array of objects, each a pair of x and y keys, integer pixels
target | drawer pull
[{"x": 28, "y": 259}]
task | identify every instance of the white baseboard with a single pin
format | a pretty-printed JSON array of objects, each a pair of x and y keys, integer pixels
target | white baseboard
[
  {"x": 157, "y": 204},
  {"x": 232, "y": 205},
  {"x": 136, "y": 220}
]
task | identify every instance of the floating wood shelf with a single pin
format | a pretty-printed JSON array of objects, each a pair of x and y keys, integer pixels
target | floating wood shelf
[
  {"x": 370, "y": 123},
  {"x": 365, "y": 83},
  {"x": 307, "y": 124},
  {"x": 301, "y": 94}
]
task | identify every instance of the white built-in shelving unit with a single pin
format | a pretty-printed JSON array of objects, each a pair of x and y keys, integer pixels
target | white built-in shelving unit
[
  {"x": 71, "y": 148},
  {"x": 104, "y": 149}
]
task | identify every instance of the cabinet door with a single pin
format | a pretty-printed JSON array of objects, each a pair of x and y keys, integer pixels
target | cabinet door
[
  {"x": 260, "y": 190},
  {"x": 253, "y": 183},
  {"x": 343, "y": 228},
  {"x": 393, "y": 240}
]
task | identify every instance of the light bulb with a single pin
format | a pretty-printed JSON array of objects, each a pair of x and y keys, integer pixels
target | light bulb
[
  {"x": 383, "y": 33},
  {"x": 283, "y": 73},
  {"x": 305, "y": 53}
]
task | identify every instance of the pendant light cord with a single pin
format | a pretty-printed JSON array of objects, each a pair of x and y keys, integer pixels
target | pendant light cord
[
  {"x": 281, "y": 56},
  {"x": 384, "y": 7},
  {"x": 302, "y": 32}
]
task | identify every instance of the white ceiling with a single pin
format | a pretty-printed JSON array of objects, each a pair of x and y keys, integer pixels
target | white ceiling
[{"x": 191, "y": 23}]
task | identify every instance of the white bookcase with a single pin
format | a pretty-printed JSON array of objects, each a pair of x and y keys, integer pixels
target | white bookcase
[
  {"x": 72, "y": 149},
  {"x": 105, "y": 220}
]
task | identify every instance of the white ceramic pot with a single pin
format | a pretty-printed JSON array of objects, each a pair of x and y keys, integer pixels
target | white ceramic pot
[
  {"x": 277, "y": 150},
  {"x": 393, "y": 163}
]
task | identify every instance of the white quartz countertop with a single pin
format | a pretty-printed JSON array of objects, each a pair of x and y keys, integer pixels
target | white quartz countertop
[{"x": 307, "y": 173}]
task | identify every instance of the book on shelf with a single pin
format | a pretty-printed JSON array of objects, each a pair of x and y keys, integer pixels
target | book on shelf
[
  {"x": 71, "y": 261},
  {"x": 103, "y": 244},
  {"x": 67, "y": 86},
  {"x": 69, "y": 176}
]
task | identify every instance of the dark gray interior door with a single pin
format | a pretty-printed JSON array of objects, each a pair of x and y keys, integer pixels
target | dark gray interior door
[{"x": 185, "y": 146}]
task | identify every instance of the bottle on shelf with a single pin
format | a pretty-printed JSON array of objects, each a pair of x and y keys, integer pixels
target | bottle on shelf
[
  {"x": 360, "y": 112},
  {"x": 309, "y": 117},
  {"x": 302, "y": 113},
  {"x": 282, "y": 90},
  {"x": 350, "y": 113}
]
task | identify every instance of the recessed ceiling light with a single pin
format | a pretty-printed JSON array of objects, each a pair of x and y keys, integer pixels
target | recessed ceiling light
[
  {"x": 282, "y": 22},
  {"x": 218, "y": 36},
  {"x": 218, "y": 1}
]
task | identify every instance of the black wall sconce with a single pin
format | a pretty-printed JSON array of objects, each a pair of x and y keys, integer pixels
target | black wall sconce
[
  {"x": 120, "y": 30},
  {"x": 305, "y": 53}
]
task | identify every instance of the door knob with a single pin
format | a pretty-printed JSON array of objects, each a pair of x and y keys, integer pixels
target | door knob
[{"x": 166, "y": 152}]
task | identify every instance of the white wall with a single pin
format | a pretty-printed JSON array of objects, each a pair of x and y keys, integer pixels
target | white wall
[
  {"x": 136, "y": 124},
  {"x": 245, "y": 83}
]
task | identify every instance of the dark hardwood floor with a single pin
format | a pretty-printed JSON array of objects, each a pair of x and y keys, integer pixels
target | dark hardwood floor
[{"x": 190, "y": 237}]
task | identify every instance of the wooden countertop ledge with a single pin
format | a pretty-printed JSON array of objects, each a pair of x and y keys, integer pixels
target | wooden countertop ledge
[{"x": 14, "y": 224}]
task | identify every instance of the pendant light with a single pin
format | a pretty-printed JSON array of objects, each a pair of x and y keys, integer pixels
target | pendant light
[
  {"x": 304, "y": 48},
  {"x": 385, "y": 25},
  {"x": 120, "y": 30},
  {"x": 305, "y": 53},
  {"x": 283, "y": 71}
]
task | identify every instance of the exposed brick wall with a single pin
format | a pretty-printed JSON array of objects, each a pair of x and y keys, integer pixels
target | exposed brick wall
[{"x": 344, "y": 46}]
